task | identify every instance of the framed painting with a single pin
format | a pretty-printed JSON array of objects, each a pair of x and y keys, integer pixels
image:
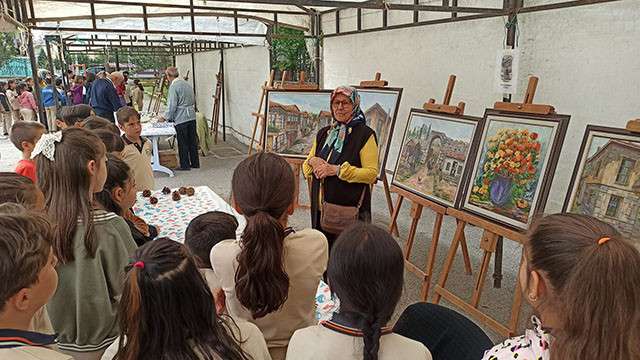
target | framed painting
[
  {"x": 606, "y": 179},
  {"x": 293, "y": 120},
  {"x": 380, "y": 107},
  {"x": 432, "y": 162},
  {"x": 514, "y": 166}
]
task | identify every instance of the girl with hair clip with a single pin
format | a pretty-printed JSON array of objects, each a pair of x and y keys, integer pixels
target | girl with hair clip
[
  {"x": 366, "y": 271},
  {"x": 270, "y": 275},
  {"x": 583, "y": 281},
  {"x": 92, "y": 245},
  {"x": 157, "y": 323}
]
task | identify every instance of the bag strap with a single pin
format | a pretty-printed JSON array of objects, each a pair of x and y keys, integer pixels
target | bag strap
[{"x": 364, "y": 191}]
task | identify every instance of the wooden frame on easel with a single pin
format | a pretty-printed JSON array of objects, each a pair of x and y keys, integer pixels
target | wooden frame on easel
[
  {"x": 382, "y": 85},
  {"x": 215, "y": 117},
  {"x": 157, "y": 94},
  {"x": 420, "y": 202},
  {"x": 493, "y": 232}
]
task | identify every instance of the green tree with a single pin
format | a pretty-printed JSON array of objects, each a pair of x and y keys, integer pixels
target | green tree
[{"x": 8, "y": 48}]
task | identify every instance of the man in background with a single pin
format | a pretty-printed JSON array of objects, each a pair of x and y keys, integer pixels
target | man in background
[{"x": 104, "y": 99}]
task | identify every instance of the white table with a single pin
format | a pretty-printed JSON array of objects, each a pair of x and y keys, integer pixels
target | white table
[
  {"x": 153, "y": 131},
  {"x": 173, "y": 217}
]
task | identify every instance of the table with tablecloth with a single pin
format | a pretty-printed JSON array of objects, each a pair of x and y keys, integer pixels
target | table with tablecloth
[{"x": 173, "y": 217}]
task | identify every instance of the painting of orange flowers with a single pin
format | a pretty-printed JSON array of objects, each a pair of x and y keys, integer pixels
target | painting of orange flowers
[{"x": 515, "y": 156}]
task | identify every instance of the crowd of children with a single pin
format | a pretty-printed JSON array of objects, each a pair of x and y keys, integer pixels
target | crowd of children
[{"x": 83, "y": 274}]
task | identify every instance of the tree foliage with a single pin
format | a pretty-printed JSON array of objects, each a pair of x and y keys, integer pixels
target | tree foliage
[{"x": 8, "y": 48}]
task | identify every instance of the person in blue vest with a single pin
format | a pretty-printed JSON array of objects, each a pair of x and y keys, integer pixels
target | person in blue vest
[
  {"x": 104, "y": 99},
  {"x": 49, "y": 102}
]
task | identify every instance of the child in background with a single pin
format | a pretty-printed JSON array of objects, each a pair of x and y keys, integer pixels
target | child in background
[
  {"x": 203, "y": 233},
  {"x": 167, "y": 312},
  {"x": 137, "y": 95},
  {"x": 24, "y": 136},
  {"x": 365, "y": 271},
  {"x": 112, "y": 142},
  {"x": 74, "y": 115},
  {"x": 77, "y": 90},
  {"x": 95, "y": 122},
  {"x": 27, "y": 259},
  {"x": 92, "y": 245},
  {"x": 12, "y": 96},
  {"x": 5, "y": 109},
  {"x": 19, "y": 189},
  {"x": 28, "y": 106},
  {"x": 119, "y": 195},
  {"x": 137, "y": 150},
  {"x": 583, "y": 281},
  {"x": 270, "y": 275}
]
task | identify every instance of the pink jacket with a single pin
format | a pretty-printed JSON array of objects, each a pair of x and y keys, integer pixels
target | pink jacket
[{"x": 27, "y": 101}]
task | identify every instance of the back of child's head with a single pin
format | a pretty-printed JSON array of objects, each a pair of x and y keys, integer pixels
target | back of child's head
[
  {"x": 112, "y": 142},
  {"x": 118, "y": 173},
  {"x": 24, "y": 250},
  {"x": 365, "y": 271},
  {"x": 67, "y": 186},
  {"x": 125, "y": 113},
  {"x": 15, "y": 188},
  {"x": 22, "y": 87},
  {"x": 154, "y": 321},
  {"x": 95, "y": 122},
  {"x": 27, "y": 131},
  {"x": 205, "y": 231},
  {"x": 262, "y": 187},
  {"x": 72, "y": 115},
  {"x": 593, "y": 286}
]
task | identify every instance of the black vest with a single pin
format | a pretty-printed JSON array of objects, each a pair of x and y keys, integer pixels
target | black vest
[{"x": 341, "y": 192}]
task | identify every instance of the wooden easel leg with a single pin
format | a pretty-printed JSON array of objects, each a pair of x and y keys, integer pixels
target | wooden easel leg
[
  {"x": 497, "y": 270},
  {"x": 263, "y": 127},
  {"x": 394, "y": 216},
  {"x": 253, "y": 135},
  {"x": 296, "y": 173},
  {"x": 450, "y": 257},
  {"x": 488, "y": 244},
  {"x": 465, "y": 255},
  {"x": 387, "y": 193},
  {"x": 416, "y": 213},
  {"x": 431, "y": 257}
]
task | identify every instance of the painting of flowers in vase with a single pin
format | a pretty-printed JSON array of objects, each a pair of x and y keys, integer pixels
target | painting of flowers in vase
[{"x": 514, "y": 167}]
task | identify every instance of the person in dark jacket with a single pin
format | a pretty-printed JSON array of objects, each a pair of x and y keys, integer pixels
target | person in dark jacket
[
  {"x": 5, "y": 109},
  {"x": 104, "y": 99},
  {"x": 89, "y": 78}
]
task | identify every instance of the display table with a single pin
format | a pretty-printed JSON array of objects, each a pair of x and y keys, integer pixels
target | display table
[
  {"x": 172, "y": 217},
  {"x": 153, "y": 131}
]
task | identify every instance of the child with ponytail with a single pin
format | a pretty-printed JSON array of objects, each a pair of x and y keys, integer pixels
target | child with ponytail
[
  {"x": 365, "y": 271},
  {"x": 270, "y": 275},
  {"x": 92, "y": 245},
  {"x": 583, "y": 281},
  {"x": 167, "y": 312}
]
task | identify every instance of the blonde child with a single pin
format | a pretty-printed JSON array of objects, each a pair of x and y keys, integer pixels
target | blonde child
[
  {"x": 24, "y": 136},
  {"x": 92, "y": 245},
  {"x": 137, "y": 150}
]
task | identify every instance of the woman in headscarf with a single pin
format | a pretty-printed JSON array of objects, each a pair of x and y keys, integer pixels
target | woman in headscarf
[{"x": 343, "y": 161}]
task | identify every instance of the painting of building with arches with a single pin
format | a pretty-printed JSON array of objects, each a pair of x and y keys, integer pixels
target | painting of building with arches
[
  {"x": 433, "y": 156},
  {"x": 380, "y": 107}
]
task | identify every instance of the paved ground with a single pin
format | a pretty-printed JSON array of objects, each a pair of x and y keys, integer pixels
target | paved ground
[{"x": 217, "y": 168}]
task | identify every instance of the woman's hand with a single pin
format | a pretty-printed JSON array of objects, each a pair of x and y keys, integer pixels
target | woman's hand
[{"x": 326, "y": 170}]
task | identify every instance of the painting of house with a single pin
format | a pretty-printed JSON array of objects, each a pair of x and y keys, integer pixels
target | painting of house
[
  {"x": 433, "y": 155},
  {"x": 380, "y": 107},
  {"x": 293, "y": 119},
  {"x": 607, "y": 184}
]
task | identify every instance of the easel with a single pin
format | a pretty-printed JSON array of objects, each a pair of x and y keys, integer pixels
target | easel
[
  {"x": 420, "y": 203},
  {"x": 215, "y": 117},
  {"x": 156, "y": 95},
  {"x": 491, "y": 237},
  {"x": 259, "y": 115},
  {"x": 377, "y": 83}
]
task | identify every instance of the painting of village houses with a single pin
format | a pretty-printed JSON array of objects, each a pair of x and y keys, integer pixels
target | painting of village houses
[
  {"x": 294, "y": 118},
  {"x": 513, "y": 158},
  {"x": 380, "y": 108},
  {"x": 433, "y": 156},
  {"x": 606, "y": 184}
]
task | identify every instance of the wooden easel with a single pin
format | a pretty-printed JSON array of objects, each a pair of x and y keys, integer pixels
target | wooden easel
[
  {"x": 491, "y": 237},
  {"x": 259, "y": 115},
  {"x": 378, "y": 83},
  {"x": 420, "y": 203},
  {"x": 157, "y": 94},
  {"x": 215, "y": 117}
]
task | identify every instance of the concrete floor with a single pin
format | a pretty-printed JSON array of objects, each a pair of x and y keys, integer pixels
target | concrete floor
[{"x": 216, "y": 171}]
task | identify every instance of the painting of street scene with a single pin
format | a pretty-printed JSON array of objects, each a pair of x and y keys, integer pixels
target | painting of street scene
[
  {"x": 510, "y": 166},
  {"x": 433, "y": 156},
  {"x": 293, "y": 120},
  {"x": 607, "y": 182},
  {"x": 380, "y": 108}
]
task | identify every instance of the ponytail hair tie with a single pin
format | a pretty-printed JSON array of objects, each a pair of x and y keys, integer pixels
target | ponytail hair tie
[
  {"x": 138, "y": 264},
  {"x": 603, "y": 240}
]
